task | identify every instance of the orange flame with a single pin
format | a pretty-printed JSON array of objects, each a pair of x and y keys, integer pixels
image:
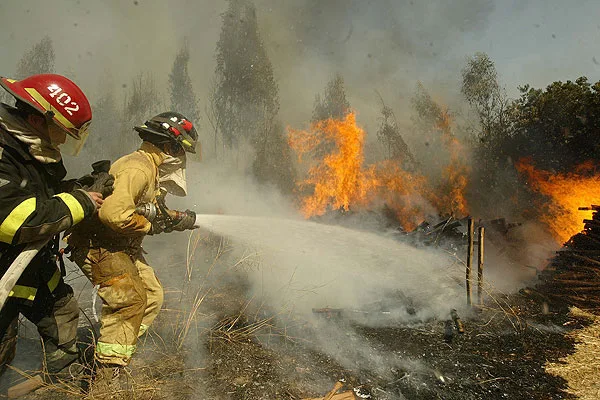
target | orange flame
[
  {"x": 455, "y": 174},
  {"x": 339, "y": 180},
  {"x": 566, "y": 193}
]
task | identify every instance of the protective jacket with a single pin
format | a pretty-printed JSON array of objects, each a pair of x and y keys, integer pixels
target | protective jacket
[
  {"x": 33, "y": 206},
  {"x": 117, "y": 227}
]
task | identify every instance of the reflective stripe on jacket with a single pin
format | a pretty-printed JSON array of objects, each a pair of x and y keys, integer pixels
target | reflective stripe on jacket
[{"x": 33, "y": 206}]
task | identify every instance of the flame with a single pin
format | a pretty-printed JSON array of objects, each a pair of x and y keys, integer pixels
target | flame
[
  {"x": 452, "y": 200},
  {"x": 408, "y": 195},
  {"x": 566, "y": 192},
  {"x": 340, "y": 181}
]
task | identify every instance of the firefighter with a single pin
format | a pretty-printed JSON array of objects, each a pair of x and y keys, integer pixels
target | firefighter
[
  {"x": 36, "y": 204},
  {"x": 109, "y": 247}
]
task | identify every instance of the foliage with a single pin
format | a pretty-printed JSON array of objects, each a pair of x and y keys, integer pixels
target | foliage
[
  {"x": 245, "y": 89},
  {"x": 389, "y": 135},
  {"x": 141, "y": 103},
  {"x": 38, "y": 60},
  {"x": 105, "y": 131},
  {"x": 483, "y": 92},
  {"x": 244, "y": 103},
  {"x": 559, "y": 126},
  {"x": 334, "y": 103},
  {"x": 428, "y": 113},
  {"x": 273, "y": 163},
  {"x": 183, "y": 98}
]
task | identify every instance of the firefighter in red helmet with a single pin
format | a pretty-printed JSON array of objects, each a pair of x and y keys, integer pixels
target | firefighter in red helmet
[{"x": 36, "y": 204}]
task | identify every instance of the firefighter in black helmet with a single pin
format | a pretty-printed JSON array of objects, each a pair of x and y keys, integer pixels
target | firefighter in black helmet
[{"x": 109, "y": 250}]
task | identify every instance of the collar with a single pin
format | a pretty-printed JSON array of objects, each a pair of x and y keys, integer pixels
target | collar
[
  {"x": 153, "y": 153},
  {"x": 10, "y": 121}
]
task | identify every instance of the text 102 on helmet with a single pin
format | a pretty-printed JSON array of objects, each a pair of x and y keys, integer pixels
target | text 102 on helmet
[
  {"x": 56, "y": 97},
  {"x": 172, "y": 127}
]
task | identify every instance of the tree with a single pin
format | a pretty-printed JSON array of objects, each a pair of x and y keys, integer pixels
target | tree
[
  {"x": 183, "y": 98},
  {"x": 273, "y": 163},
  {"x": 427, "y": 112},
  {"x": 38, "y": 60},
  {"x": 558, "y": 127},
  {"x": 494, "y": 175},
  {"x": 389, "y": 135},
  {"x": 105, "y": 139},
  {"x": 483, "y": 92},
  {"x": 245, "y": 102},
  {"x": 246, "y": 91},
  {"x": 430, "y": 118},
  {"x": 141, "y": 103},
  {"x": 334, "y": 103}
]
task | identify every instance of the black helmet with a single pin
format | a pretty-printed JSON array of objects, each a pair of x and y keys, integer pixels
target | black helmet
[{"x": 170, "y": 127}]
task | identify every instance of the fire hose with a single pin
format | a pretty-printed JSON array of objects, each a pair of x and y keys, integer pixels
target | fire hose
[{"x": 14, "y": 272}]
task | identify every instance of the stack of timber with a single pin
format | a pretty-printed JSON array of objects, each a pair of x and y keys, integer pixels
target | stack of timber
[{"x": 573, "y": 276}]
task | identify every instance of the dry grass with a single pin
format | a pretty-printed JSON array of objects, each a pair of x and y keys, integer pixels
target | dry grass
[{"x": 582, "y": 368}]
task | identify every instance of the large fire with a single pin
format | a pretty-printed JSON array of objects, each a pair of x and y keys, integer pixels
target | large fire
[
  {"x": 566, "y": 192},
  {"x": 339, "y": 180}
]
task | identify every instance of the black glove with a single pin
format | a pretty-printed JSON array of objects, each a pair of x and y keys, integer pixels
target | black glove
[
  {"x": 188, "y": 221},
  {"x": 156, "y": 228},
  {"x": 101, "y": 182}
]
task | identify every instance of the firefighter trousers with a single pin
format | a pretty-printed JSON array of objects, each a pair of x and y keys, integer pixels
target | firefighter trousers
[
  {"x": 131, "y": 299},
  {"x": 55, "y": 314}
]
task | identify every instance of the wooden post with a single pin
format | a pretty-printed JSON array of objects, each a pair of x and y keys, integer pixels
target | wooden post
[
  {"x": 469, "y": 259},
  {"x": 480, "y": 266}
]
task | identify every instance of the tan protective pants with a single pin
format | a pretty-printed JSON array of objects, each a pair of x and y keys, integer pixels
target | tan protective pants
[{"x": 132, "y": 297}]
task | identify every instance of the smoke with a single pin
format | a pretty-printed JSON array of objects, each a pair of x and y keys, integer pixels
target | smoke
[
  {"x": 376, "y": 45},
  {"x": 383, "y": 45}
]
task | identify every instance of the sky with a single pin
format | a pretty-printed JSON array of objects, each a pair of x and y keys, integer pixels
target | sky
[{"x": 379, "y": 46}]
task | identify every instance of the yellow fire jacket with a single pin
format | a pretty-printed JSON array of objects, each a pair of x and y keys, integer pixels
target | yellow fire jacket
[
  {"x": 117, "y": 225},
  {"x": 136, "y": 182}
]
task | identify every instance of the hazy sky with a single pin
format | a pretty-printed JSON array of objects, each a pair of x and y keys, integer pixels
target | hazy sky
[{"x": 384, "y": 45}]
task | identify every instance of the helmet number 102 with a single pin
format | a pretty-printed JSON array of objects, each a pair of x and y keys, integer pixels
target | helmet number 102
[{"x": 63, "y": 99}]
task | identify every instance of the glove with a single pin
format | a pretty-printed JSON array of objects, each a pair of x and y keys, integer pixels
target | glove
[
  {"x": 101, "y": 182},
  {"x": 188, "y": 221},
  {"x": 156, "y": 228}
]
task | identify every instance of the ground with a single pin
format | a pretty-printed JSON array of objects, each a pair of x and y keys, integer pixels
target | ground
[{"x": 209, "y": 344}]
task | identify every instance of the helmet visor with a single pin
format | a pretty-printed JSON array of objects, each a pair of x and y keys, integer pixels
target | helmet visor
[{"x": 72, "y": 145}]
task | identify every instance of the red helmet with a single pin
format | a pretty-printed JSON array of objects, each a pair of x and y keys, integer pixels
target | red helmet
[{"x": 56, "y": 97}]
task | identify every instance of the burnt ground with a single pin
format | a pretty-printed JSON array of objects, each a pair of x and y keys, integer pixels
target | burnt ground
[
  {"x": 501, "y": 355},
  {"x": 233, "y": 353}
]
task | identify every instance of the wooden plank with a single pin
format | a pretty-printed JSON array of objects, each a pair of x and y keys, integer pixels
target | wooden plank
[
  {"x": 349, "y": 395},
  {"x": 338, "y": 386},
  {"x": 480, "y": 265},
  {"x": 21, "y": 389},
  {"x": 469, "y": 259}
]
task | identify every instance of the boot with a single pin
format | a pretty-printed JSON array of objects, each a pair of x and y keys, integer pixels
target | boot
[{"x": 65, "y": 365}]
